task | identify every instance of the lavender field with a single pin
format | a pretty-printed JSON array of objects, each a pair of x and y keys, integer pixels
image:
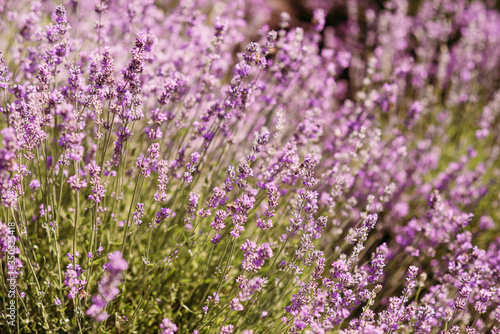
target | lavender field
[{"x": 250, "y": 166}]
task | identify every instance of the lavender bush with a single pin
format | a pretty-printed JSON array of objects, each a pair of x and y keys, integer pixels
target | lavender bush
[{"x": 202, "y": 166}]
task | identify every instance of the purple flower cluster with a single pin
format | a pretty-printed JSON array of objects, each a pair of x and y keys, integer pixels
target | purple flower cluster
[
  {"x": 331, "y": 169},
  {"x": 167, "y": 327},
  {"x": 4, "y": 239},
  {"x": 74, "y": 281},
  {"x": 255, "y": 256},
  {"x": 108, "y": 286}
]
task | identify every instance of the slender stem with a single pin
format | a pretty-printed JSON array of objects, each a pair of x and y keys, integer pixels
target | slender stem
[{"x": 77, "y": 213}]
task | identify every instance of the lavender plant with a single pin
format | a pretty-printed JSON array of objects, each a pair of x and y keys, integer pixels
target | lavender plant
[{"x": 200, "y": 166}]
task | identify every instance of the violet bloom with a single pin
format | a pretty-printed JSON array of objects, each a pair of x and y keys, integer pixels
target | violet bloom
[
  {"x": 76, "y": 183},
  {"x": 74, "y": 282},
  {"x": 98, "y": 190},
  {"x": 167, "y": 327},
  {"x": 227, "y": 329},
  {"x": 8, "y": 164},
  {"x": 34, "y": 185},
  {"x": 138, "y": 213},
  {"x": 254, "y": 256},
  {"x": 4, "y": 236},
  {"x": 144, "y": 163},
  {"x": 108, "y": 287},
  {"x": 163, "y": 169}
]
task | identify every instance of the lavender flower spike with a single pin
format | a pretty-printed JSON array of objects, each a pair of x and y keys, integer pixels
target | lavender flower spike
[{"x": 108, "y": 286}]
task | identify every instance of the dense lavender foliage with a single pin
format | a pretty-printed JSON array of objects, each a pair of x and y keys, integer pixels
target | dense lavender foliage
[{"x": 203, "y": 166}]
